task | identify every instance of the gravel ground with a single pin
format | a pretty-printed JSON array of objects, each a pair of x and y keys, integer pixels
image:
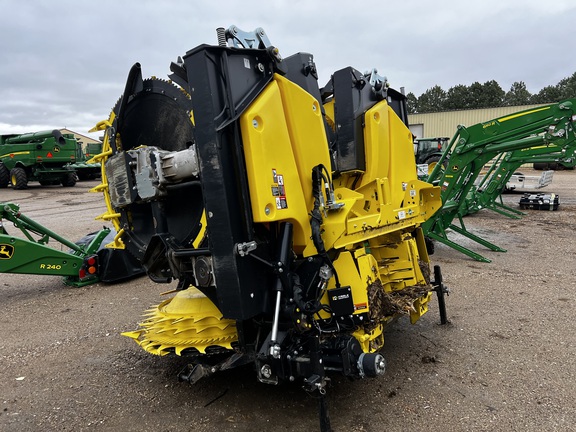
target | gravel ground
[{"x": 506, "y": 362}]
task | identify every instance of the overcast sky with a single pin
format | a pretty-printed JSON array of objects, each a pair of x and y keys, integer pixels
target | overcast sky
[{"x": 63, "y": 63}]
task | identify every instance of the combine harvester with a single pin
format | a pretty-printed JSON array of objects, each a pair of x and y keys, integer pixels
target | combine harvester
[
  {"x": 48, "y": 157},
  {"x": 41, "y": 156},
  {"x": 526, "y": 136}
]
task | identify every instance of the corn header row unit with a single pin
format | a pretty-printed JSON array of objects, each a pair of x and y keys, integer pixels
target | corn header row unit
[{"x": 289, "y": 214}]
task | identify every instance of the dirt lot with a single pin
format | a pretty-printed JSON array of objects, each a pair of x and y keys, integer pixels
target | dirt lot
[{"x": 506, "y": 362}]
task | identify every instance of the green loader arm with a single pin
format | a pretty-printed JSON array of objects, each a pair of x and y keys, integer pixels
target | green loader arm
[
  {"x": 487, "y": 194},
  {"x": 472, "y": 148}
]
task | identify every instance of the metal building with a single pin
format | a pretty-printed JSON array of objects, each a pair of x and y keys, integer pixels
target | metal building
[{"x": 444, "y": 123}]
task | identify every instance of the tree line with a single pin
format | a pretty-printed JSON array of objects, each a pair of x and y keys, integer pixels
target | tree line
[{"x": 488, "y": 95}]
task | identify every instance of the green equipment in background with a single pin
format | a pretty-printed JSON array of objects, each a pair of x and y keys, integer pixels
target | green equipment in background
[
  {"x": 86, "y": 262},
  {"x": 471, "y": 148},
  {"x": 41, "y": 156}
]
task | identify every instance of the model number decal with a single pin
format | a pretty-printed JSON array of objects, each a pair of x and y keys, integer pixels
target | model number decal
[{"x": 51, "y": 266}]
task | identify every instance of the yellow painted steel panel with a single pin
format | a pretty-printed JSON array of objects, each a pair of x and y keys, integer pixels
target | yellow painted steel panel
[{"x": 284, "y": 137}]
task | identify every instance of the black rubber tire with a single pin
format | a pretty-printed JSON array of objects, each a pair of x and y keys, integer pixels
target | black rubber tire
[
  {"x": 4, "y": 176},
  {"x": 555, "y": 166},
  {"x": 69, "y": 179},
  {"x": 18, "y": 178}
]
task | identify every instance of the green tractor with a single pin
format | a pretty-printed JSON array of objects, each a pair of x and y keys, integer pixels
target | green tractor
[
  {"x": 429, "y": 150},
  {"x": 41, "y": 156}
]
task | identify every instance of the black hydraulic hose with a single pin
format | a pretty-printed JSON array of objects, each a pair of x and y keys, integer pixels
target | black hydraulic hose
[
  {"x": 316, "y": 219},
  {"x": 308, "y": 307}
]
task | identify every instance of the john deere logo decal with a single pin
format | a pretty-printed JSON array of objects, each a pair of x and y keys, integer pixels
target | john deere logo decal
[
  {"x": 56, "y": 149},
  {"x": 6, "y": 251}
]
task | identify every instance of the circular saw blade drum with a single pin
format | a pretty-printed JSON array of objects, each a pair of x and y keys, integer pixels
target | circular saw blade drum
[{"x": 159, "y": 116}]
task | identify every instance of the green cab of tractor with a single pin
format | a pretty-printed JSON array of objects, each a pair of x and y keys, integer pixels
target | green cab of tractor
[{"x": 429, "y": 150}]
